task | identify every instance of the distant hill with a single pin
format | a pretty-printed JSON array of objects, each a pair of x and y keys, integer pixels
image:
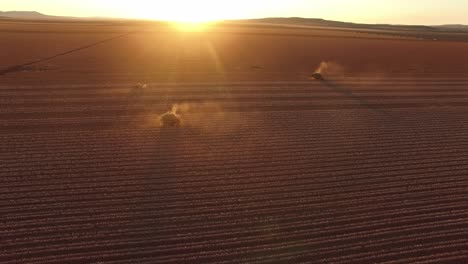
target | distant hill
[
  {"x": 455, "y": 27},
  {"x": 329, "y": 23},
  {"x": 24, "y": 15}
]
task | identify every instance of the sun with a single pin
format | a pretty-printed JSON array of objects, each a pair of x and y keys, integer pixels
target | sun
[
  {"x": 189, "y": 14},
  {"x": 197, "y": 15}
]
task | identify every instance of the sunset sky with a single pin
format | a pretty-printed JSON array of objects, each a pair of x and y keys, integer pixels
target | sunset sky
[{"x": 429, "y": 12}]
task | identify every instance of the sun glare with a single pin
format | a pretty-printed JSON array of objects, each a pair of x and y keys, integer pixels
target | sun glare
[
  {"x": 192, "y": 25},
  {"x": 190, "y": 14}
]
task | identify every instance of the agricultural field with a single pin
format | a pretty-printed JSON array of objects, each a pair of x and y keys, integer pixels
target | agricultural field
[{"x": 268, "y": 165}]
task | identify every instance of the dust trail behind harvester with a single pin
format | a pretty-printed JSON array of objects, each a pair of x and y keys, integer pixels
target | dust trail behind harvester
[
  {"x": 378, "y": 108},
  {"x": 207, "y": 117},
  {"x": 328, "y": 69}
]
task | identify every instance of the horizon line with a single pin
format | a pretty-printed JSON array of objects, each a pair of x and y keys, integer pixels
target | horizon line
[{"x": 230, "y": 19}]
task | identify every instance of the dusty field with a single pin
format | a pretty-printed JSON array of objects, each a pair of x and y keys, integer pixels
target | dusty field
[
  {"x": 369, "y": 166},
  {"x": 158, "y": 53}
]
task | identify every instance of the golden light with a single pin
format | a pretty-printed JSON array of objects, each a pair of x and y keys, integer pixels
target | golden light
[
  {"x": 189, "y": 14},
  {"x": 192, "y": 26}
]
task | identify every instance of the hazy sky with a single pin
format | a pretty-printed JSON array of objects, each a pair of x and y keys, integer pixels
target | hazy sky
[{"x": 428, "y": 12}]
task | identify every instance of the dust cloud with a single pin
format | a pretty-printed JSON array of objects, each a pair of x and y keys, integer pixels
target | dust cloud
[
  {"x": 208, "y": 117},
  {"x": 330, "y": 68}
]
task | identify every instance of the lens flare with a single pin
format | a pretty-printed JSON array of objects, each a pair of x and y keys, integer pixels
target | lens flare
[{"x": 192, "y": 26}]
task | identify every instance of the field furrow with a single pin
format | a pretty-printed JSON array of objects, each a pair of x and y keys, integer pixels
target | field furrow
[{"x": 352, "y": 170}]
